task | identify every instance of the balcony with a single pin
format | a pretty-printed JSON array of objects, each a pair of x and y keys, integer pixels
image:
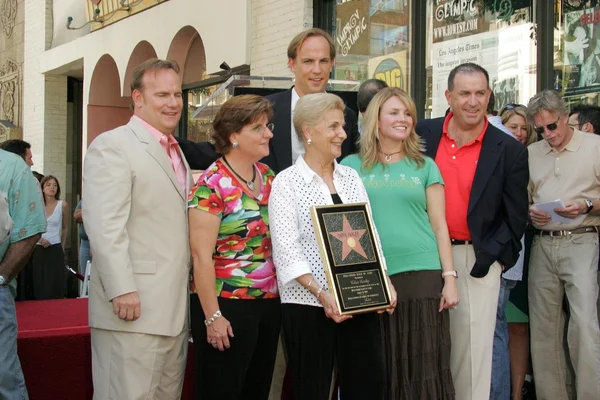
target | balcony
[{"x": 101, "y": 13}]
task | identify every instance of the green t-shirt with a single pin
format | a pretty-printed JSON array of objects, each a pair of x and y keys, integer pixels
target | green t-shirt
[{"x": 399, "y": 205}]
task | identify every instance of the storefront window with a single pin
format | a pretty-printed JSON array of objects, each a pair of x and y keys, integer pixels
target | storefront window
[
  {"x": 372, "y": 41},
  {"x": 496, "y": 34},
  {"x": 199, "y": 128},
  {"x": 577, "y": 51}
]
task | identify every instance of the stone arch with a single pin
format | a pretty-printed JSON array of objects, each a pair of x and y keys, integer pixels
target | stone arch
[
  {"x": 187, "y": 49},
  {"x": 106, "y": 109},
  {"x": 141, "y": 52}
]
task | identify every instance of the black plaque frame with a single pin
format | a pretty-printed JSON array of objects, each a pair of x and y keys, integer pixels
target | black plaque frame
[{"x": 361, "y": 276}]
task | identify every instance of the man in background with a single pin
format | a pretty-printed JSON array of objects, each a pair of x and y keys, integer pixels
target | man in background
[
  {"x": 21, "y": 205},
  {"x": 311, "y": 56},
  {"x": 586, "y": 118},
  {"x": 366, "y": 91},
  {"x": 20, "y": 148}
]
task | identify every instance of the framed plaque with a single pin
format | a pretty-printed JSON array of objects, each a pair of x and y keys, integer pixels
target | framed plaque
[{"x": 350, "y": 254}]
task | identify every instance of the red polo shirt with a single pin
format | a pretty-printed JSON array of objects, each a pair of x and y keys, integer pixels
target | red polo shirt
[{"x": 457, "y": 166}]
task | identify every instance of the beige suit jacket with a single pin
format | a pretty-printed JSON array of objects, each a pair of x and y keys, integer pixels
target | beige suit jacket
[{"x": 136, "y": 219}]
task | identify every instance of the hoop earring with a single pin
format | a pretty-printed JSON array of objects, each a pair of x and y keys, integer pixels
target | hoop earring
[
  {"x": 309, "y": 141},
  {"x": 234, "y": 145}
]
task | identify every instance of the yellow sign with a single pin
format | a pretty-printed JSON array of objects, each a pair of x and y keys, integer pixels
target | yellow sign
[{"x": 391, "y": 69}]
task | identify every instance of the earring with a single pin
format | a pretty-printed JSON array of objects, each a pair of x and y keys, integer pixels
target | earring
[
  {"x": 235, "y": 145},
  {"x": 309, "y": 141}
]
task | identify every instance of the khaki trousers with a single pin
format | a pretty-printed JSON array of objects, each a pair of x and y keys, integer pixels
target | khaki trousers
[
  {"x": 136, "y": 366},
  {"x": 560, "y": 265},
  {"x": 472, "y": 326}
]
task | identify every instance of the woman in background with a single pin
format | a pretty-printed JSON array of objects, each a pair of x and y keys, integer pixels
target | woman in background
[
  {"x": 407, "y": 197},
  {"x": 512, "y": 316},
  {"x": 49, "y": 278}
]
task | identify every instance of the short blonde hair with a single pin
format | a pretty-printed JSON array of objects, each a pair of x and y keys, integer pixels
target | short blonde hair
[
  {"x": 369, "y": 140},
  {"x": 508, "y": 113},
  {"x": 311, "y": 109}
]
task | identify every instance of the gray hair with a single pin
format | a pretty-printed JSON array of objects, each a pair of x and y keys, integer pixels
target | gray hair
[
  {"x": 311, "y": 108},
  {"x": 549, "y": 100}
]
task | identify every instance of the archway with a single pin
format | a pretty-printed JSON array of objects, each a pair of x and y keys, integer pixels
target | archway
[
  {"x": 142, "y": 52},
  {"x": 107, "y": 109},
  {"x": 187, "y": 49}
]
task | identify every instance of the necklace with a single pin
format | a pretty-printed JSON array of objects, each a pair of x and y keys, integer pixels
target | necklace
[
  {"x": 249, "y": 183},
  {"x": 388, "y": 157}
]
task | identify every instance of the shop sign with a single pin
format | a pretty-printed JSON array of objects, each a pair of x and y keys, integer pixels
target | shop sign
[
  {"x": 351, "y": 32},
  {"x": 390, "y": 68},
  {"x": 457, "y": 18}
]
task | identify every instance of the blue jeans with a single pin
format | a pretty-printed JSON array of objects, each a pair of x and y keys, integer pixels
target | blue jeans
[
  {"x": 12, "y": 382},
  {"x": 500, "y": 389},
  {"x": 84, "y": 255}
]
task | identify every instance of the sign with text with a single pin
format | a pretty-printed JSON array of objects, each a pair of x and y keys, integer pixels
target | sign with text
[{"x": 351, "y": 257}]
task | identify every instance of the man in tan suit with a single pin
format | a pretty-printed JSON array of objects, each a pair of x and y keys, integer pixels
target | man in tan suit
[{"x": 135, "y": 185}]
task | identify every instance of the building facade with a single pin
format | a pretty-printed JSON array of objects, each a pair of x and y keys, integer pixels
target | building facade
[{"x": 65, "y": 65}]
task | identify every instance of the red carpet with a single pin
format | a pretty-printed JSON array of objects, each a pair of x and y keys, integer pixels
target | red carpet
[{"x": 55, "y": 353}]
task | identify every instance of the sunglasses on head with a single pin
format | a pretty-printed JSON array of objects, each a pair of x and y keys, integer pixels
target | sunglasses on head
[
  {"x": 551, "y": 127},
  {"x": 510, "y": 107}
]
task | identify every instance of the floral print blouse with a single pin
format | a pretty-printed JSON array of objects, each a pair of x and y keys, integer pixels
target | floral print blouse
[{"x": 242, "y": 257}]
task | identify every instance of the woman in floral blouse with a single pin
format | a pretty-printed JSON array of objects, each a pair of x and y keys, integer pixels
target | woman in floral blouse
[{"x": 236, "y": 313}]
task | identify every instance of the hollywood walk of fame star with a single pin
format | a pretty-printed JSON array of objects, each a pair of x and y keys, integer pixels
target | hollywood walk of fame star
[{"x": 350, "y": 239}]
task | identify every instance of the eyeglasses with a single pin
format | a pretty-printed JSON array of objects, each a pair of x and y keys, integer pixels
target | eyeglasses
[
  {"x": 551, "y": 127},
  {"x": 510, "y": 107},
  {"x": 260, "y": 129}
]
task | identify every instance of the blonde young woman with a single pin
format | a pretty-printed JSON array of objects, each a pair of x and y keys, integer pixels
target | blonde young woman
[
  {"x": 407, "y": 197},
  {"x": 514, "y": 118}
]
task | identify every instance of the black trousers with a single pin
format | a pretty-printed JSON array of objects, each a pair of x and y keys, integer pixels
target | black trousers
[
  {"x": 245, "y": 370},
  {"x": 49, "y": 272},
  {"x": 314, "y": 343}
]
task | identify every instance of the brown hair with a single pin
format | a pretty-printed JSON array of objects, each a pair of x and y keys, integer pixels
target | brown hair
[
  {"x": 150, "y": 65},
  {"x": 299, "y": 39},
  {"x": 369, "y": 140},
  {"x": 235, "y": 114},
  {"x": 46, "y": 179}
]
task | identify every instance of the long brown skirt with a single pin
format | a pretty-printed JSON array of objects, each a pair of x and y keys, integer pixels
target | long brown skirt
[{"x": 417, "y": 340}]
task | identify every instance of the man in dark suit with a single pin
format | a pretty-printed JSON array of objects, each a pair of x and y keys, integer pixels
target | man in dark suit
[
  {"x": 485, "y": 173},
  {"x": 311, "y": 55}
]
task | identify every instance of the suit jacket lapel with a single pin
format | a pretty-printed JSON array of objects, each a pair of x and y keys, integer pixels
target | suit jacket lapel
[
  {"x": 282, "y": 139},
  {"x": 157, "y": 152},
  {"x": 488, "y": 159}
]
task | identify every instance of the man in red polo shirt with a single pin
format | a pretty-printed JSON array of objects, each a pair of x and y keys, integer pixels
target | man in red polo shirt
[{"x": 486, "y": 174}]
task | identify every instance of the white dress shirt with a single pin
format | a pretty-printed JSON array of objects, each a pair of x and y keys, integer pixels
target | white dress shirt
[
  {"x": 297, "y": 145},
  {"x": 295, "y": 248}
]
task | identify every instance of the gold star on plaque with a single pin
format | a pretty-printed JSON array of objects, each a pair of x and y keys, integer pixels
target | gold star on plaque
[{"x": 350, "y": 239}]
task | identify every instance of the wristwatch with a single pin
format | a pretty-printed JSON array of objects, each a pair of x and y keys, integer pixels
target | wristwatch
[
  {"x": 590, "y": 206},
  {"x": 3, "y": 281}
]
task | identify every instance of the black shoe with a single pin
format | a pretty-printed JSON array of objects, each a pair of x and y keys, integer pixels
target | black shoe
[{"x": 528, "y": 391}]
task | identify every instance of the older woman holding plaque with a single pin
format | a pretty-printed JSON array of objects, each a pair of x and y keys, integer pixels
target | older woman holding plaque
[
  {"x": 315, "y": 333},
  {"x": 236, "y": 313},
  {"x": 407, "y": 193}
]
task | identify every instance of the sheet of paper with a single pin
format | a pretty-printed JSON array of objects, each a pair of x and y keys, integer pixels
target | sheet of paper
[{"x": 549, "y": 207}]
